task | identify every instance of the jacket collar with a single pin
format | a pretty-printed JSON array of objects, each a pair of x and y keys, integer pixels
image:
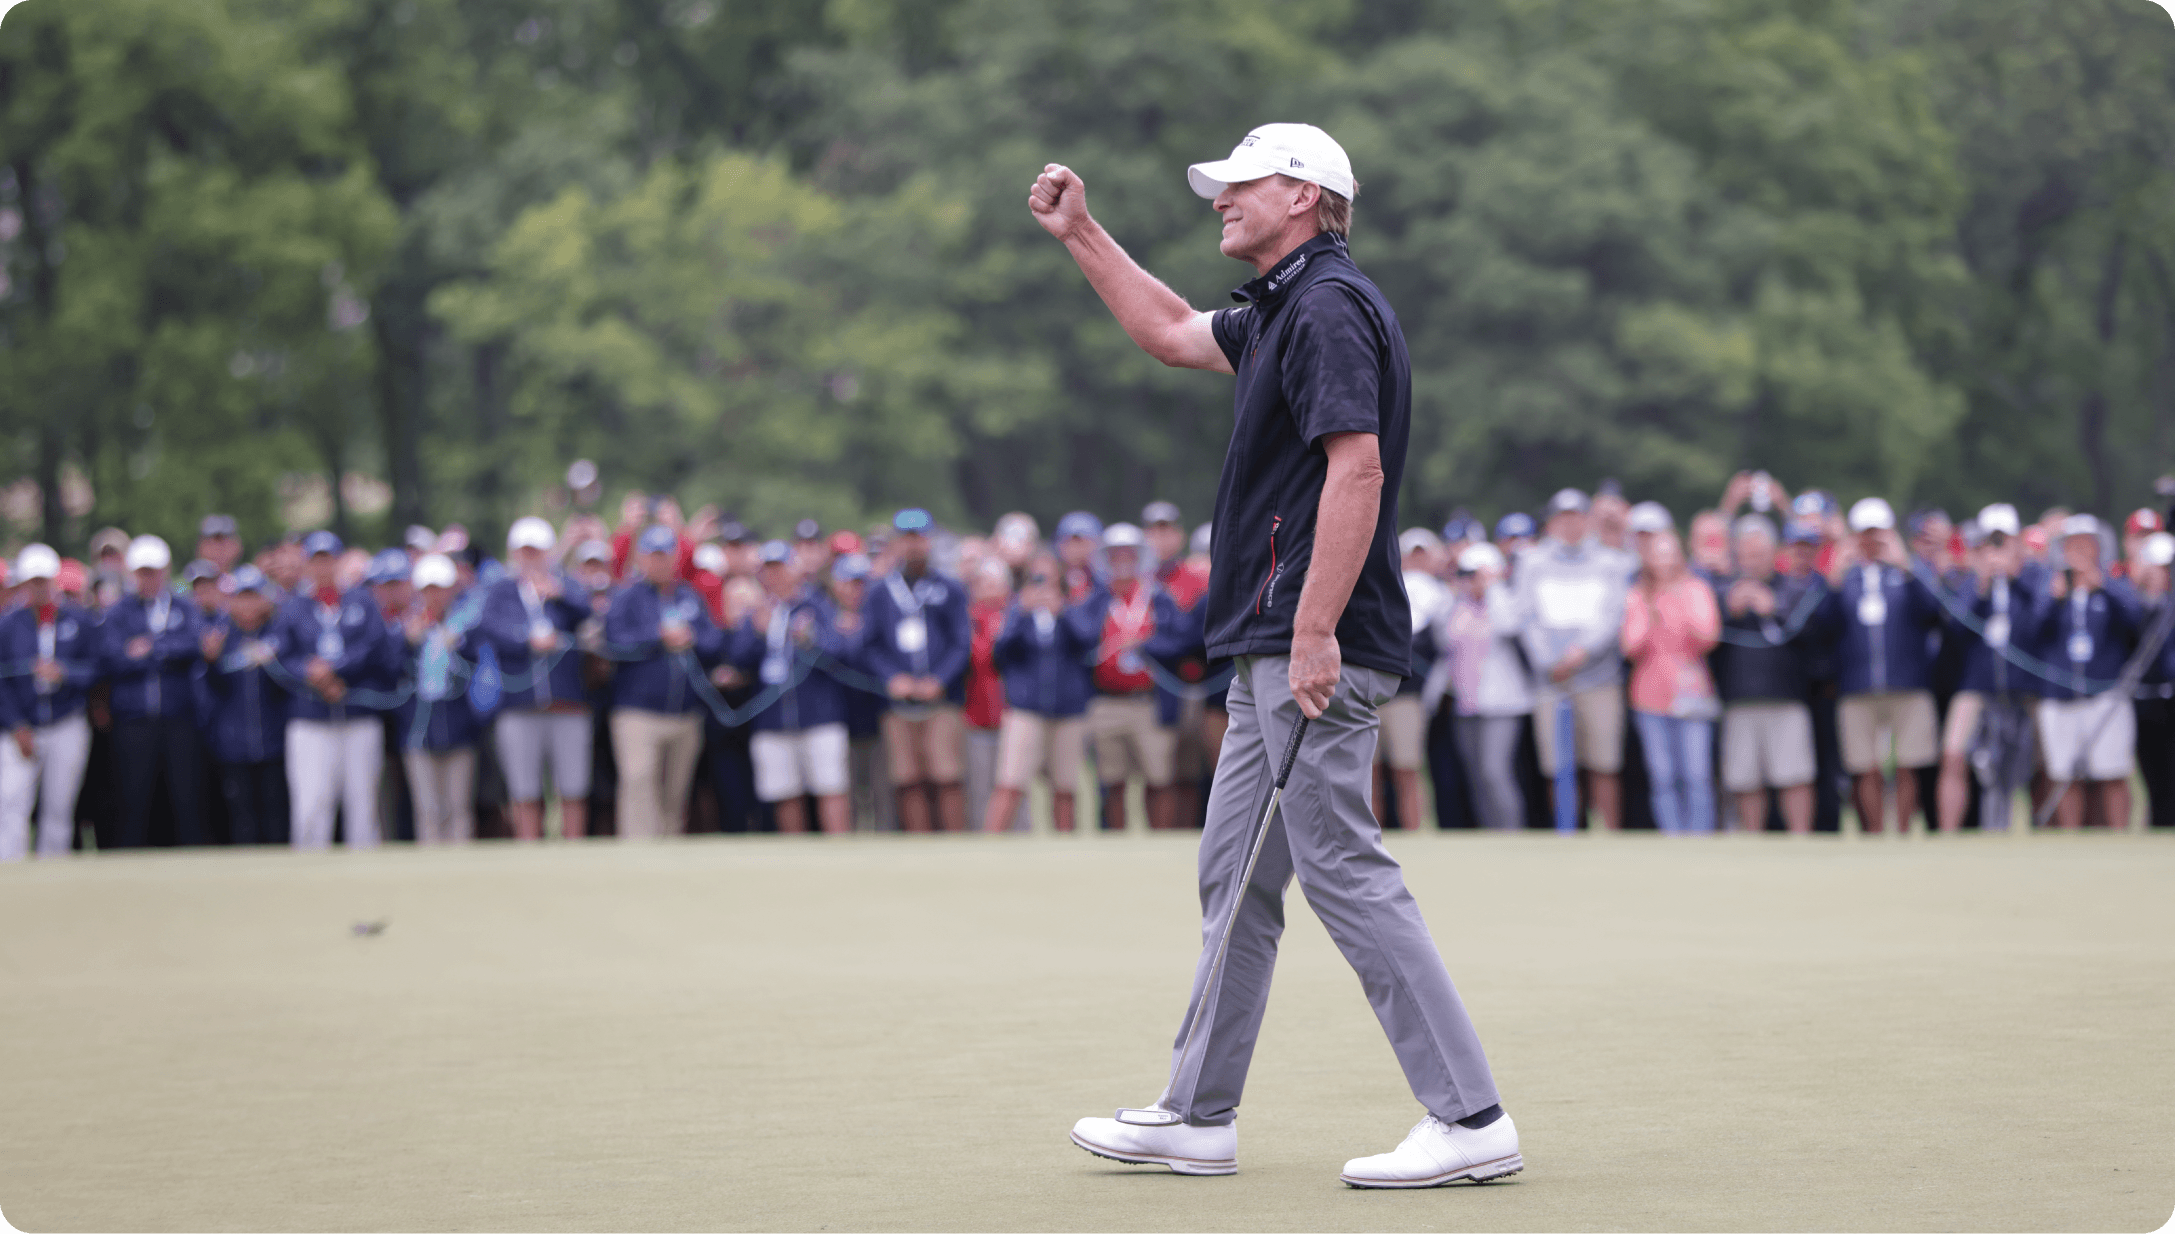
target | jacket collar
[{"x": 1272, "y": 287}]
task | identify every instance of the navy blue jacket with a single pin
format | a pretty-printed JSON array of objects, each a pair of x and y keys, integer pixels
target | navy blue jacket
[
  {"x": 244, "y": 710},
  {"x": 947, "y": 633},
  {"x": 157, "y": 685},
  {"x": 503, "y": 623},
  {"x": 819, "y": 698},
  {"x": 434, "y": 715},
  {"x": 2112, "y": 619},
  {"x": 1177, "y": 636},
  {"x": 1893, "y": 654},
  {"x": 864, "y": 708},
  {"x": 1985, "y": 670},
  {"x": 352, "y": 638},
  {"x": 1044, "y": 673},
  {"x": 648, "y": 678},
  {"x": 75, "y": 649}
]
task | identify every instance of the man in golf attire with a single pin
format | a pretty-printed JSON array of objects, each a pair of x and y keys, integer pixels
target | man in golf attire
[{"x": 1306, "y": 598}]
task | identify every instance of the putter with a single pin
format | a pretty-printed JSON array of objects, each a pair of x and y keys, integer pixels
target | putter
[{"x": 1165, "y": 1118}]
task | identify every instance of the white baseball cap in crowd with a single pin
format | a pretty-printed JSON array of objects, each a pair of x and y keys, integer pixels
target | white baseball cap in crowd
[
  {"x": 531, "y": 532},
  {"x": 1649, "y": 516},
  {"x": 148, "y": 553},
  {"x": 1300, "y": 151},
  {"x": 1123, "y": 535},
  {"x": 2000, "y": 517},
  {"x": 36, "y": 561},
  {"x": 1416, "y": 538},
  {"x": 2158, "y": 549},
  {"x": 1870, "y": 514},
  {"x": 710, "y": 558},
  {"x": 435, "y": 570},
  {"x": 2080, "y": 525},
  {"x": 1480, "y": 555}
]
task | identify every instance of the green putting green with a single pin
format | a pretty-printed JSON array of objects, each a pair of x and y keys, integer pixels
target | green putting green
[{"x": 1727, "y": 1033}]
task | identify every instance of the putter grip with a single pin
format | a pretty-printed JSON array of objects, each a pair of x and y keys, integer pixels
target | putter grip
[{"x": 1291, "y": 751}]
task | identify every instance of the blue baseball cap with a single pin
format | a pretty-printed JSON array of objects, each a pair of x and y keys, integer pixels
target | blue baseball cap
[
  {"x": 850, "y": 567},
  {"x": 658, "y": 538},
  {"x": 808, "y": 529},
  {"x": 776, "y": 552},
  {"x": 390, "y": 566},
  {"x": 1801, "y": 532},
  {"x": 1516, "y": 525},
  {"x": 246, "y": 577},
  {"x": 1813, "y": 502},
  {"x": 913, "y": 520},
  {"x": 1080, "y": 523},
  {"x": 319, "y": 542},
  {"x": 1458, "y": 529}
]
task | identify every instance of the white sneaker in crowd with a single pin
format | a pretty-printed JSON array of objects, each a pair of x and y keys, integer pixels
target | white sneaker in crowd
[
  {"x": 1437, "y": 1152},
  {"x": 1156, "y": 1137}
]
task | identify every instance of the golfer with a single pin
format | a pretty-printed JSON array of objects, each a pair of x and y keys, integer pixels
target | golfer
[{"x": 1307, "y": 600}]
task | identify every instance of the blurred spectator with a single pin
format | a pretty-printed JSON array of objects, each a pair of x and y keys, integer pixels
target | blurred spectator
[
  {"x": 1079, "y": 540},
  {"x": 2150, "y": 570},
  {"x": 148, "y": 648},
  {"x": 1130, "y": 622},
  {"x": 1767, "y": 728},
  {"x": 989, "y": 594},
  {"x": 202, "y": 577},
  {"x": 246, "y": 711},
  {"x": 1609, "y": 520},
  {"x": 918, "y": 644},
  {"x": 1043, "y": 660},
  {"x": 659, "y": 631},
  {"x": 799, "y": 745},
  {"x": 2087, "y": 627},
  {"x": 875, "y": 804},
  {"x": 530, "y": 620},
  {"x": 1187, "y": 581},
  {"x": 108, "y": 567},
  {"x": 1482, "y": 668},
  {"x": 1514, "y": 534},
  {"x": 329, "y": 641},
  {"x": 1570, "y": 594},
  {"x": 219, "y": 541},
  {"x": 1015, "y": 541},
  {"x": 811, "y": 549},
  {"x": 49, "y": 736},
  {"x": 1710, "y": 545},
  {"x": 1885, "y": 615},
  {"x": 438, "y": 729},
  {"x": 1989, "y": 726},
  {"x": 2140, "y": 527},
  {"x": 1670, "y": 624},
  {"x": 1402, "y": 746}
]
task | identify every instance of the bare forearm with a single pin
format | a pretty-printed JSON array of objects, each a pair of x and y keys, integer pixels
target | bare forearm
[
  {"x": 1150, "y": 311},
  {"x": 1344, "y": 525}
]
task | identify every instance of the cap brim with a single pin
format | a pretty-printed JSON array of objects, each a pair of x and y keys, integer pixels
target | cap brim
[{"x": 1209, "y": 179}]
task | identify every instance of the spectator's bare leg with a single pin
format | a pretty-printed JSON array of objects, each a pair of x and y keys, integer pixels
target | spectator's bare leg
[
  {"x": 1906, "y": 798},
  {"x": 573, "y": 818},
  {"x": 1003, "y": 804},
  {"x": 1606, "y": 791},
  {"x": 1381, "y": 795},
  {"x": 792, "y": 816},
  {"x": 1797, "y": 809},
  {"x": 951, "y": 806},
  {"x": 1163, "y": 808},
  {"x": 834, "y": 813},
  {"x": 913, "y": 807},
  {"x": 527, "y": 818},
  {"x": 1752, "y": 810},
  {"x": 2069, "y": 814},
  {"x": 1213, "y": 726},
  {"x": 2114, "y": 796},
  {"x": 1866, "y": 794},
  {"x": 1061, "y": 811},
  {"x": 1955, "y": 791},
  {"x": 1408, "y": 797}
]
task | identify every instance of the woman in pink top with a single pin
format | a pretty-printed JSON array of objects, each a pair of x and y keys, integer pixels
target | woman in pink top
[{"x": 1671, "y": 622}]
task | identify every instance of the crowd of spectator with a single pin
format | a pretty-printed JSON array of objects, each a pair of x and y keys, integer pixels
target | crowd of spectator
[{"x": 1784, "y": 657}]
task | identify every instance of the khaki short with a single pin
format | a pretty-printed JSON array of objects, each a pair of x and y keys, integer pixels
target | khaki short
[
  {"x": 2102, "y": 729},
  {"x": 1403, "y": 741},
  {"x": 1906, "y": 716},
  {"x": 929, "y": 748},
  {"x": 1766, "y": 745},
  {"x": 1597, "y": 728},
  {"x": 1128, "y": 739},
  {"x": 1029, "y": 745}
]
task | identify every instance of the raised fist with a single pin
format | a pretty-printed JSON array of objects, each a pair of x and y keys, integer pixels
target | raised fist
[{"x": 1058, "y": 200}]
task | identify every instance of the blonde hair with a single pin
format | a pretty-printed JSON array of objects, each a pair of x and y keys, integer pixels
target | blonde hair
[{"x": 1332, "y": 210}]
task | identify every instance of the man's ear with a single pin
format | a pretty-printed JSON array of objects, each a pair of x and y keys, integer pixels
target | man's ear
[{"x": 1304, "y": 201}]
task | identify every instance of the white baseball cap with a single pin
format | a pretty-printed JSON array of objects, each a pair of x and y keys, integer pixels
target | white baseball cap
[
  {"x": 1649, "y": 516},
  {"x": 435, "y": 570},
  {"x": 1871, "y": 513},
  {"x": 1123, "y": 535},
  {"x": 1480, "y": 556},
  {"x": 2158, "y": 549},
  {"x": 36, "y": 561},
  {"x": 1300, "y": 151},
  {"x": 531, "y": 532},
  {"x": 1416, "y": 538},
  {"x": 148, "y": 553},
  {"x": 2001, "y": 517}
]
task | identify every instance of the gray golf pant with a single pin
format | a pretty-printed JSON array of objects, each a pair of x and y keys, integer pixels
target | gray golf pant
[{"x": 1325, "y": 833}]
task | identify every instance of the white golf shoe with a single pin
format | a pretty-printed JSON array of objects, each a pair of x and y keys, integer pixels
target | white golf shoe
[
  {"x": 1437, "y": 1152},
  {"x": 1157, "y": 1137}
]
